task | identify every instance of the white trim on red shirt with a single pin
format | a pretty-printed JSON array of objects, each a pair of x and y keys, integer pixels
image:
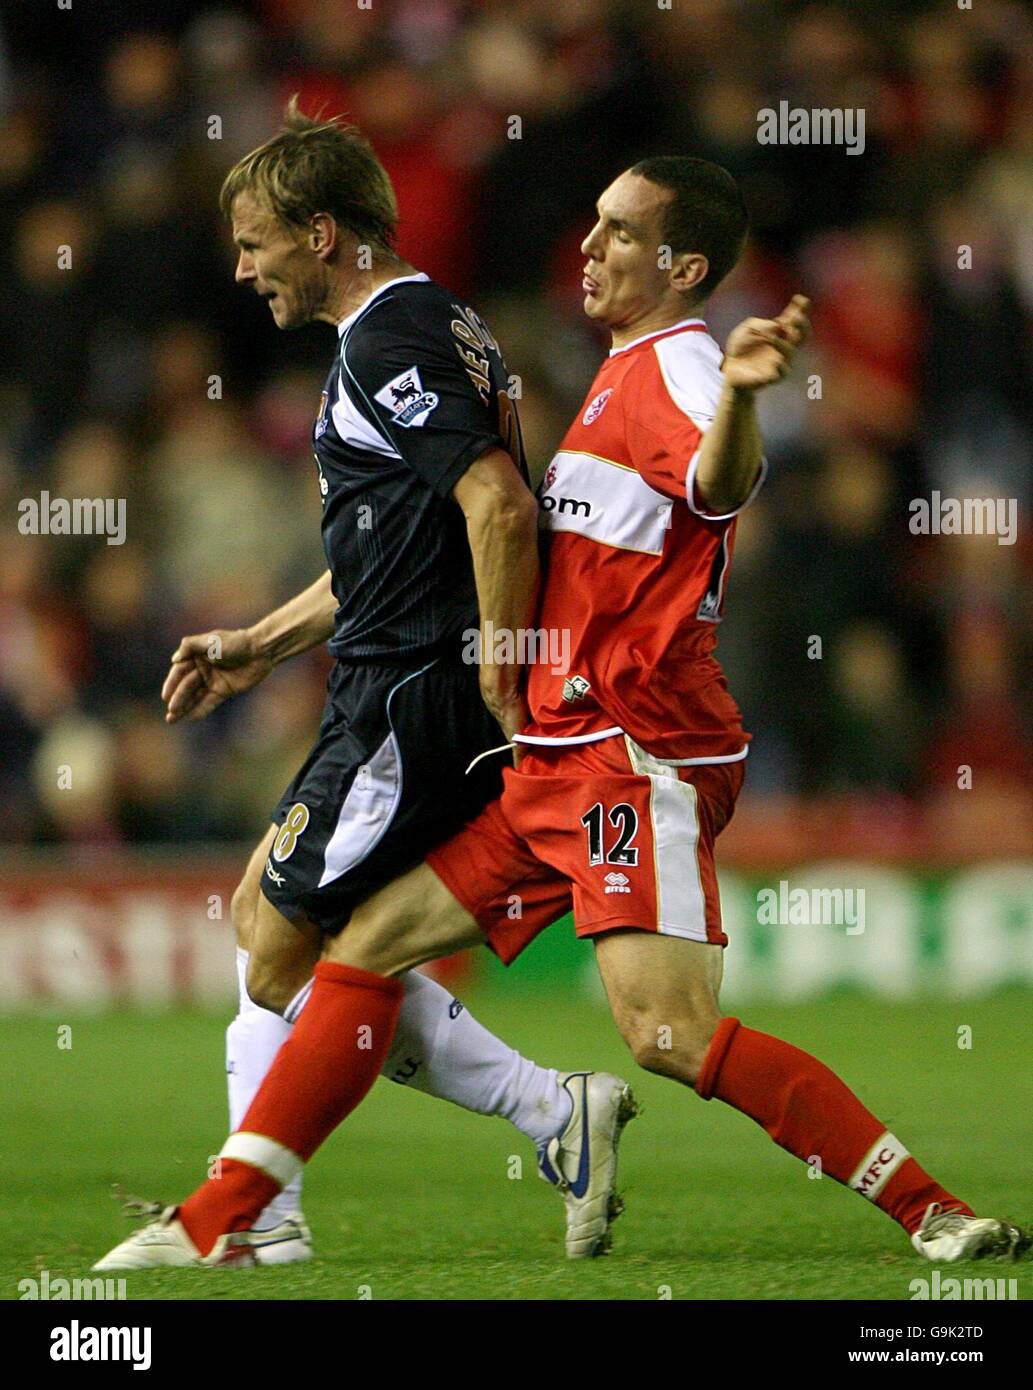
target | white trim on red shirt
[
  {"x": 690, "y": 491},
  {"x": 671, "y": 328}
]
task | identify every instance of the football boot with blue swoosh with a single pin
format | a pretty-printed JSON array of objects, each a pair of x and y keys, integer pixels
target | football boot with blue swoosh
[{"x": 581, "y": 1162}]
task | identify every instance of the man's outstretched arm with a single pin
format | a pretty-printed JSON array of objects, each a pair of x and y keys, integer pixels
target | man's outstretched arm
[
  {"x": 759, "y": 353},
  {"x": 209, "y": 667},
  {"x": 302, "y": 623}
]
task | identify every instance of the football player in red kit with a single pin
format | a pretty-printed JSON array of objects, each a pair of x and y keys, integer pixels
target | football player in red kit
[{"x": 628, "y": 770}]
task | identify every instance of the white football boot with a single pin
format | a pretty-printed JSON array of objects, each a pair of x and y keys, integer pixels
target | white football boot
[
  {"x": 164, "y": 1244},
  {"x": 289, "y": 1242},
  {"x": 581, "y": 1162},
  {"x": 286, "y": 1244},
  {"x": 949, "y": 1235}
]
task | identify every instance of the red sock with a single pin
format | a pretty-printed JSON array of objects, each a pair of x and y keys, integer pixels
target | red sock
[
  {"x": 320, "y": 1075},
  {"x": 808, "y": 1111}
]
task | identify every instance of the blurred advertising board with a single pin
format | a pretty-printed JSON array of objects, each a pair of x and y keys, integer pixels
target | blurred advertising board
[{"x": 144, "y": 930}]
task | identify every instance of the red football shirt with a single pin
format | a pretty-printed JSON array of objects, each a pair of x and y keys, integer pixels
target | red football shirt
[{"x": 636, "y": 569}]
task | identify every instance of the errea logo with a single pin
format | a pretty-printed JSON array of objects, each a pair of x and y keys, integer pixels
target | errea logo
[{"x": 617, "y": 883}]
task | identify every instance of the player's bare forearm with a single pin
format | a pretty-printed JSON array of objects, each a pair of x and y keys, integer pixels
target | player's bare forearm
[
  {"x": 303, "y": 622},
  {"x": 730, "y": 453},
  {"x": 502, "y": 526},
  {"x": 210, "y": 667},
  {"x": 759, "y": 353}
]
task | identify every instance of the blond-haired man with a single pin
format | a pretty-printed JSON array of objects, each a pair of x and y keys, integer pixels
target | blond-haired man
[{"x": 429, "y": 531}]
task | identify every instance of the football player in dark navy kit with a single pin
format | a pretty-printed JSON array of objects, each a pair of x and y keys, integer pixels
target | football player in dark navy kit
[
  {"x": 429, "y": 530},
  {"x": 414, "y": 418}
]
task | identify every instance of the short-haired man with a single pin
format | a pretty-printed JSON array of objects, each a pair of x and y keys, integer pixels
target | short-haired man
[
  {"x": 428, "y": 527},
  {"x": 632, "y": 762}
]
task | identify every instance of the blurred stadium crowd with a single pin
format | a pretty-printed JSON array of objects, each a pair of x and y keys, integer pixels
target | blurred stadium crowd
[{"x": 142, "y": 372}]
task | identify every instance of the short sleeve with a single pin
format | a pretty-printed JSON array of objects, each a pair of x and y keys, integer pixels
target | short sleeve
[
  {"x": 661, "y": 443},
  {"x": 410, "y": 383},
  {"x": 673, "y": 402}
]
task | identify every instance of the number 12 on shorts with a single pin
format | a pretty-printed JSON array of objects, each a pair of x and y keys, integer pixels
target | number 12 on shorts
[{"x": 622, "y": 851}]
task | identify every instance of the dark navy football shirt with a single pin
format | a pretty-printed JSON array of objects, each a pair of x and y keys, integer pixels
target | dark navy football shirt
[{"x": 417, "y": 393}]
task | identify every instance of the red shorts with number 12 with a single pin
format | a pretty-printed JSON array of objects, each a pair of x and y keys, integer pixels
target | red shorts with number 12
[{"x": 623, "y": 838}]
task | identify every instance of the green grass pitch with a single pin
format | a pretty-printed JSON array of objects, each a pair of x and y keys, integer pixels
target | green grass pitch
[{"x": 413, "y": 1199}]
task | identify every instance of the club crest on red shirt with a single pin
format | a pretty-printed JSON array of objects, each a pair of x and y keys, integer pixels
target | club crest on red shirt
[{"x": 596, "y": 407}]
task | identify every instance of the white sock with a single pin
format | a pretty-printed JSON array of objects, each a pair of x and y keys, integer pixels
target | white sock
[
  {"x": 252, "y": 1041},
  {"x": 439, "y": 1048}
]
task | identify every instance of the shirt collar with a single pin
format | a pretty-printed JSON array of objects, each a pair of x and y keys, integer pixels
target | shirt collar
[
  {"x": 682, "y": 323},
  {"x": 345, "y": 324}
]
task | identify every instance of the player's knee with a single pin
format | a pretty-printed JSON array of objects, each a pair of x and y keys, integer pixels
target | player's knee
[
  {"x": 674, "y": 1047},
  {"x": 268, "y": 987}
]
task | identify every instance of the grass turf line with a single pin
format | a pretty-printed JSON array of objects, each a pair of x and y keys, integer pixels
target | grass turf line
[{"x": 413, "y": 1199}]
